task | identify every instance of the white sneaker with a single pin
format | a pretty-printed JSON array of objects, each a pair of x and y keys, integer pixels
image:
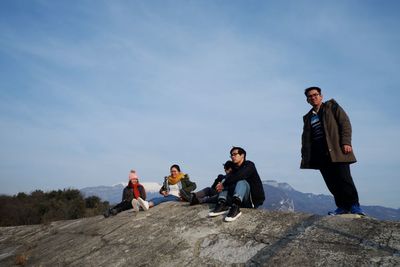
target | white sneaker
[
  {"x": 135, "y": 205},
  {"x": 143, "y": 203}
]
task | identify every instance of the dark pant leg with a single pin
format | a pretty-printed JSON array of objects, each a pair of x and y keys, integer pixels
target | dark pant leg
[
  {"x": 205, "y": 192},
  {"x": 210, "y": 199},
  {"x": 124, "y": 205},
  {"x": 207, "y": 195},
  {"x": 338, "y": 179}
]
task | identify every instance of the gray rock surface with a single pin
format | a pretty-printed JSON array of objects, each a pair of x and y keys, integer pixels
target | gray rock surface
[{"x": 174, "y": 234}]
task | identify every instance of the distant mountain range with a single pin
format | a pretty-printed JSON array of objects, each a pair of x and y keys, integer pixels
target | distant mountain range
[
  {"x": 113, "y": 194},
  {"x": 279, "y": 196}
]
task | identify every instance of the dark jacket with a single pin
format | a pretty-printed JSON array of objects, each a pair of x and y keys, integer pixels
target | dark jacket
[
  {"x": 127, "y": 194},
  {"x": 216, "y": 181},
  {"x": 247, "y": 171},
  {"x": 337, "y": 129}
]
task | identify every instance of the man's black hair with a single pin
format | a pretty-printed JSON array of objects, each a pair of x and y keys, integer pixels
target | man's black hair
[
  {"x": 312, "y": 88},
  {"x": 240, "y": 150},
  {"x": 229, "y": 165}
]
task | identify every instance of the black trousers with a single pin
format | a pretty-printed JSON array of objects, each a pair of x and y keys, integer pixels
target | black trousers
[
  {"x": 124, "y": 205},
  {"x": 207, "y": 195},
  {"x": 338, "y": 179}
]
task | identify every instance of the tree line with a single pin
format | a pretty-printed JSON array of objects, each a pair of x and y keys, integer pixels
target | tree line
[{"x": 44, "y": 207}]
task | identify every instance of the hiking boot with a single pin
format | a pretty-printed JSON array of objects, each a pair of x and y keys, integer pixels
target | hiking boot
[
  {"x": 143, "y": 203},
  {"x": 356, "y": 209},
  {"x": 194, "y": 200},
  {"x": 106, "y": 214},
  {"x": 338, "y": 211},
  {"x": 113, "y": 212},
  {"x": 135, "y": 205},
  {"x": 220, "y": 208}
]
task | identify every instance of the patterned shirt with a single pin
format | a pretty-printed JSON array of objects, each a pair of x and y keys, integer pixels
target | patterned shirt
[{"x": 316, "y": 126}]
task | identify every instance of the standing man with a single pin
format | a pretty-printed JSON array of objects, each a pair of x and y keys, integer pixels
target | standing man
[
  {"x": 241, "y": 188},
  {"x": 326, "y": 145}
]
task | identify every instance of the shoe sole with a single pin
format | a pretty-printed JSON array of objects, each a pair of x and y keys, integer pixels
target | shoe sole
[
  {"x": 142, "y": 203},
  {"x": 214, "y": 214},
  {"x": 336, "y": 214},
  {"x": 361, "y": 214},
  {"x": 231, "y": 219},
  {"x": 350, "y": 215}
]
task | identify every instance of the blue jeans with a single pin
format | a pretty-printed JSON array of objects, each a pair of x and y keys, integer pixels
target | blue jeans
[
  {"x": 241, "y": 190},
  {"x": 158, "y": 200}
]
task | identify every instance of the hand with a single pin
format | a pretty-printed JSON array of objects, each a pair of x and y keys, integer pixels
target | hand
[
  {"x": 219, "y": 187},
  {"x": 347, "y": 149}
]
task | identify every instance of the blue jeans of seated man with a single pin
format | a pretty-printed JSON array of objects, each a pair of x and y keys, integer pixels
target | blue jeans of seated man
[
  {"x": 158, "y": 200},
  {"x": 241, "y": 190}
]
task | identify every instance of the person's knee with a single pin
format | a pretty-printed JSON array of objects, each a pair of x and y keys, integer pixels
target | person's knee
[
  {"x": 243, "y": 183},
  {"x": 242, "y": 190}
]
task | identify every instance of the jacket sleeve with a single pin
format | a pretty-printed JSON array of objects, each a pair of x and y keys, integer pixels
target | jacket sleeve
[
  {"x": 188, "y": 185},
  {"x": 306, "y": 142},
  {"x": 303, "y": 135},
  {"x": 343, "y": 122},
  {"x": 142, "y": 192},
  {"x": 243, "y": 173},
  {"x": 216, "y": 181},
  {"x": 127, "y": 194}
]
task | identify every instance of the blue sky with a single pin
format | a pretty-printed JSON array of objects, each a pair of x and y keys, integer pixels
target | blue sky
[{"x": 92, "y": 89}]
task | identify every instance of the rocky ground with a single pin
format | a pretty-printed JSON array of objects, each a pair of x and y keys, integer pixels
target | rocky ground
[{"x": 174, "y": 234}]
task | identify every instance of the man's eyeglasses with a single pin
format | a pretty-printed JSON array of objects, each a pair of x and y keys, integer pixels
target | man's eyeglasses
[
  {"x": 313, "y": 95},
  {"x": 234, "y": 154}
]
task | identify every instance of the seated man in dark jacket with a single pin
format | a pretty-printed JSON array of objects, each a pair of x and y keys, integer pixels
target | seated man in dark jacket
[
  {"x": 210, "y": 194},
  {"x": 241, "y": 188},
  {"x": 133, "y": 192}
]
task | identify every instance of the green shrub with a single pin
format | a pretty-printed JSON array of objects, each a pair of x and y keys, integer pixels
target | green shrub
[{"x": 41, "y": 207}]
